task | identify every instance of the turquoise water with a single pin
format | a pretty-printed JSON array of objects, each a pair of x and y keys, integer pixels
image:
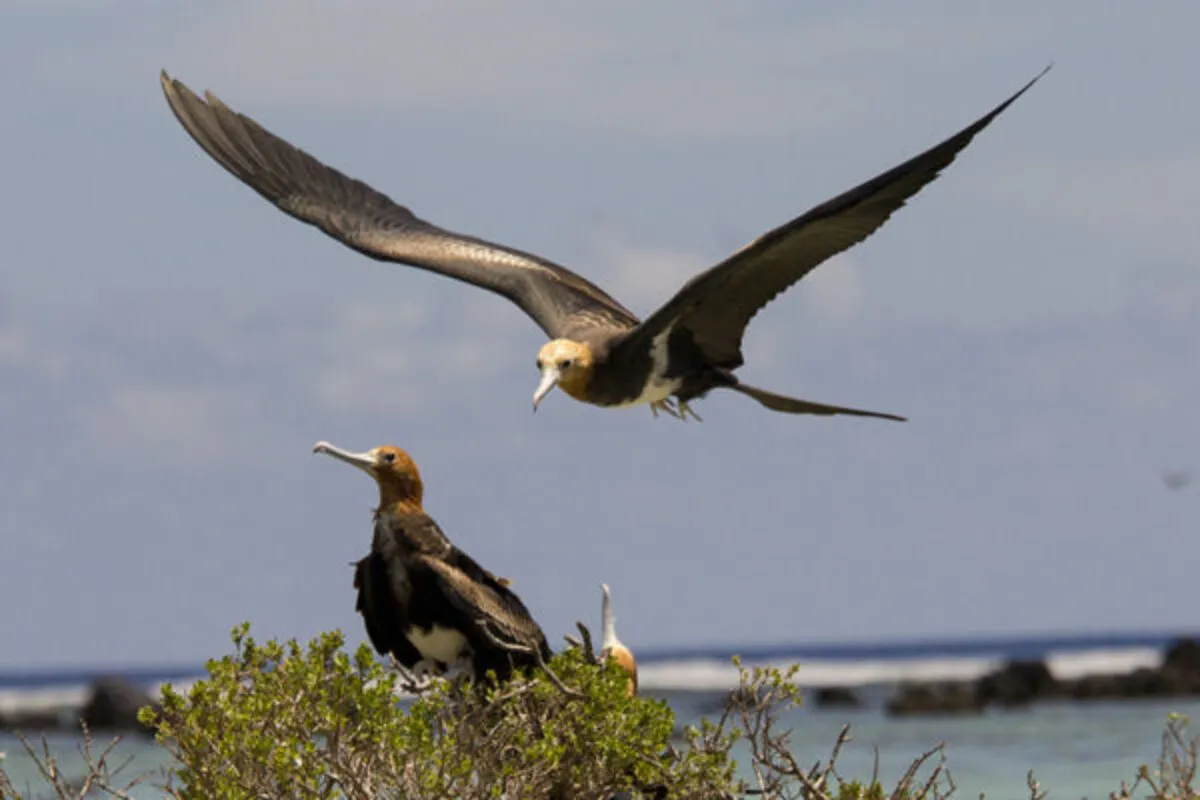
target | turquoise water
[{"x": 1075, "y": 749}]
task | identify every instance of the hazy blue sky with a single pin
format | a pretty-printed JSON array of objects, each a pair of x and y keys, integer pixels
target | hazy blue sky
[{"x": 171, "y": 345}]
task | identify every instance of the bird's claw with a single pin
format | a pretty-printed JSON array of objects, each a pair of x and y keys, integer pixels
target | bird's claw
[
  {"x": 679, "y": 409},
  {"x": 661, "y": 405},
  {"x": 685, "y": 410},
  {"x": 425, "y": 671},
  {"x": 417, "y": 678}
]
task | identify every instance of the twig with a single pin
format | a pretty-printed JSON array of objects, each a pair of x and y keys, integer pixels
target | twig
[
  {"x": 562, "y": 687},
  {"x": 910, "y": 774},
  {"x": 933, "y": 779},
  {"x": 843, "y": 737},
  {"x": 589, "y": 651},
  {"x": 537, "y": 653}
]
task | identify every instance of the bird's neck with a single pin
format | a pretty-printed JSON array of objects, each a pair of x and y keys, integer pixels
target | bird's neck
[
  {"x": 608, "y": 623},
  {"x": 397, "y": 499},
  {"x": 399, "y": 509},
  {"x": 608, "y": 636}
]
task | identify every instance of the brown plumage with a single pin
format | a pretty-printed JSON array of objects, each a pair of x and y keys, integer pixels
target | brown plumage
[
  {"x": 599, "y": 353},
  {"x": 423, "y": 600}
]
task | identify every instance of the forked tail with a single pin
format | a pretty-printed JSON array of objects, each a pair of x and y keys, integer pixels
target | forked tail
[{"x": 791, "y": 405}]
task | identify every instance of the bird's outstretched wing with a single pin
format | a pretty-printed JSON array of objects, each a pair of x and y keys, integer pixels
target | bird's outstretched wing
[
  {"x": 718, "y": 304},
  {"x": 371, "y": 223},
  {"x": 497, "y": 614}
]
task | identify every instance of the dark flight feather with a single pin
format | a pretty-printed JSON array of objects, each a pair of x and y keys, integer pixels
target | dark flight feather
[
  {"x": 718, "y": 304},
  {"x": 374, "y": 225}
]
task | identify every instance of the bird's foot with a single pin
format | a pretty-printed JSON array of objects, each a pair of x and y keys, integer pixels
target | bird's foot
[
  {"x": 426, "y": 669},
  {"x": 679, "y": 409},
  {"x": 417, "y": 678},
  {"x": 425, "y": 672},
  {"x": 659, "y": 405},
  {"x": 666, "y": 406},
  {"x": 685, "y": 411}
]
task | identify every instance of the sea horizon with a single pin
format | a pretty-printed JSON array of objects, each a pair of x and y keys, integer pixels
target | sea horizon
[{"x": 704, "y": 667}]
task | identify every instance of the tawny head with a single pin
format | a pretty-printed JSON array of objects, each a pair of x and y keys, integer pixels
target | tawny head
[
  {"x": 393, "y": 469},
  {"x": 567, "y": 364},
  {"x": 611, "y": 647}
]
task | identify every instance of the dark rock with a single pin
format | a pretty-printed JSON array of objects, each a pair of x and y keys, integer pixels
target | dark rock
[
  {"x": 1017, "y": 683},
  {"x": 41, "y": 720},
  {"x": 1098, "y": 687},
  {"x": 1181, "y": 682},
  {"x": 937, "y": 698},
  {"x": 1173, "y": 679},
  {"x": 1183, "y": 655},
  {"x": 1146, "y": 682},
  {"x": 113, "y": 704},
  {"x": 836, "y": 697}
]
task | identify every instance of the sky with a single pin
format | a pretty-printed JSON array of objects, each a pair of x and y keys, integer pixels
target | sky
[{"x": 171, "y": 345}]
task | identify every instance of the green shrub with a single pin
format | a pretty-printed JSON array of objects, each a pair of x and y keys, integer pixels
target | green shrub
[{"x": 280, "y": 720}]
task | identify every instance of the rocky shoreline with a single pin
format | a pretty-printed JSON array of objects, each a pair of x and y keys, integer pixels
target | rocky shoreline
[
  {"x": 112, "y": 702},
  {"x": 1020, "y": 683}
]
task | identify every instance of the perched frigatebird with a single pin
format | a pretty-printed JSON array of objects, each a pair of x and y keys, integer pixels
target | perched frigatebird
[
  {"x": 424, "y": 601},
  {"x": 600, "y": 352}
]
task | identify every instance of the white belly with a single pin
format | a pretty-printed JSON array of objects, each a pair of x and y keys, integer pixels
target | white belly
[
  {"x": 653, "y": 392},
  {"x": 440, "y": 644}
]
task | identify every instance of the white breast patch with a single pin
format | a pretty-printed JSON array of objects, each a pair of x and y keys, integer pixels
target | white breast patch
[
  {"x": 442, "y": 644},
  {"x": 657, "y": 387}
]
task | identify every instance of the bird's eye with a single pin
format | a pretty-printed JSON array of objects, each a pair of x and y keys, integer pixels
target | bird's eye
[
  {"x": 539, "y": 364},
  {"x": 564, "y": 364},
  {"x": 388, "y": 458}
]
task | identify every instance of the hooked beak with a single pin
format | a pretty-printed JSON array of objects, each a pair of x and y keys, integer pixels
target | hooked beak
[
  {"x": 364, "y": 461},
  {"x": 549, "y": 381}
]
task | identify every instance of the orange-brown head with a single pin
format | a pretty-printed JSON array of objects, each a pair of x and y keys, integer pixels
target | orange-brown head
[
  {"x": 567, "y": 364},
  {"x": 611, "y": 647},
  {"x": 393, "y": 469}
]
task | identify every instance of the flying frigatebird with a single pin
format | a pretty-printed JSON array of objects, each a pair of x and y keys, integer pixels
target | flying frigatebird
[
  {"x": 424, "y": 601},
  {"x": 599, "y": 352}
]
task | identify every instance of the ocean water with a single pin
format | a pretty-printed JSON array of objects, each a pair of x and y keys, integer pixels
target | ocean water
[{"x": 1075, "y": 749}]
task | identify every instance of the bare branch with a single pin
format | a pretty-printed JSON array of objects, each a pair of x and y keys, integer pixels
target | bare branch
[{"x": 589, "y": 651}]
